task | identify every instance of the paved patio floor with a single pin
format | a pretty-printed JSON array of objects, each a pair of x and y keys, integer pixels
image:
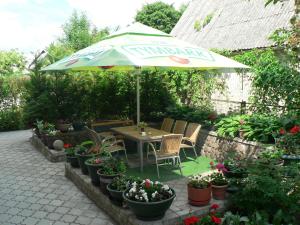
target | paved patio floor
[{"x": 34, "y": 191}]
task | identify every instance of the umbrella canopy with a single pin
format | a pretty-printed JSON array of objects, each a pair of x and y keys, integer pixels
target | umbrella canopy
[
  {"x": 139, "y": 46},
  {"x": 142, "y": 46}
]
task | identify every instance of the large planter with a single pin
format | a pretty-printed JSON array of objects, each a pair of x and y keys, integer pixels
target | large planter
[
  {"x": 73, "y": 160},
  {"x": 92, "y": 170},
  {"x": 149, "y": 210},
  {"x": 219, "y": 192},
  {"x": 289, "y": 159},
  {"x": 82, "y": 159},
  {"x": 105, "y": 180},
  {"x": 63, "y": 127},
  {"x": 117, "y": 196},
  {"x": 199, "y": 197}
]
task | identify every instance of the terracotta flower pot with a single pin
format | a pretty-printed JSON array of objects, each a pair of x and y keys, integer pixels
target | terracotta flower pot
[
  {"x": 219, "y": 192},
  {"x": 199, "y": 197}
]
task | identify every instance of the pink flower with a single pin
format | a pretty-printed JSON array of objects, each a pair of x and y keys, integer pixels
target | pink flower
[{"x": 147, "y": 183}]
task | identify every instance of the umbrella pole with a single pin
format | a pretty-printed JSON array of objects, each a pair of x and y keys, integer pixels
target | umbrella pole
[{"x": 138, "y": 74}]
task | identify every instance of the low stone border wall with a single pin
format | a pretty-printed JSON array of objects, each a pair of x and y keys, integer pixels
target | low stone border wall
[
  {"x": 50, "y": 154},
  {"x": 210, "y": 145},
  {"x": 179, "y": 210}
]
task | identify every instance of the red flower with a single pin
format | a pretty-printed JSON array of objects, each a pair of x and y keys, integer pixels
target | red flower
[
  {"x": 282, "y": 131},
  {"x": 216, "y": 220},
  {"x": 211, "y": 163},
  {"x": 214, "y": 206},
  {"x": 191, "y": 220},
  {"x": 295, "y": 129},
  {"x": 147, "y": 183},
  {"x": 67, "y": 145}
]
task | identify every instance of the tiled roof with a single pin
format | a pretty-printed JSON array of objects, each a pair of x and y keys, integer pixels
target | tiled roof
[{"x": 235, "y": 25}]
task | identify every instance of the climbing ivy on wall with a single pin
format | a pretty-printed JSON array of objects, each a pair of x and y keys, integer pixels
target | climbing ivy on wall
[{"x": 275, "y": 81}]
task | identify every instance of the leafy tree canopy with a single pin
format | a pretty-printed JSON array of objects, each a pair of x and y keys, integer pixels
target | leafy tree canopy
[
  {"x": 11, "y": 63},
  {"x": 159, "y": 15},
  {"x": 79, "y": 32}
]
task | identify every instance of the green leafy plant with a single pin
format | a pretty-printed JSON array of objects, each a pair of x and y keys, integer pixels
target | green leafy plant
[
  {"x": 112, "y": 166},
  {"x": 122, "y": 183},
  {"x": 273, "y": 191},
  {"x": 218, "y": 179},
  {"x": 199, "y": 182}
]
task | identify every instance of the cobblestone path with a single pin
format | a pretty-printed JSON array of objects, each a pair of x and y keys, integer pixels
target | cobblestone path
[{"x": 34, "y": 191}]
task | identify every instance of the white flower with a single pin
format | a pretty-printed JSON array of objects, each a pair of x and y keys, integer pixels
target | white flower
[
  {"x": 156, "y": 182},
  {"x": 170, "y": 192},
  {"x": 154, "y": 194},
  {"x": 165, "y": 187},
  {"x": 136, "y": 197}
]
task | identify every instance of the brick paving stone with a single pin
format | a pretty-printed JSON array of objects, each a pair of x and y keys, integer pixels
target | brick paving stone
[
  {"x": 54, "y": 216},
  {"x": 16, "y": 219},
  {"x": 34, "y": 191},
  {"x": 30, "y": 221}
]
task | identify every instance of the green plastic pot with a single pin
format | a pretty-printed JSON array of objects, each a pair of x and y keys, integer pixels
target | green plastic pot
[
  {"x": 149, "y": 211},
  {"x": 105, "y": 180},
  {"x": 289, "y": 159},
  {"x": 73, "y": 160},
  {"x": 92, "y": 170},
  {"x": 117, "y": 196},
  {"x": 82, "y": 159}
]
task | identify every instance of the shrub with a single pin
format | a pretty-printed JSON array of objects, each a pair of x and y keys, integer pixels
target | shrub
[
  {"x": 11, "y": 119},
  {"x": 274, "y": 191}
]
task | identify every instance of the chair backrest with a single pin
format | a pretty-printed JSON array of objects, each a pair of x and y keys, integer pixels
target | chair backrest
[
  {"x": 167, "y": 124},
  {"x": 192, "y": 131},
  {"x": 170, "y": 144},
  {"x": 93, "y": 136},
  {"x": 179, "y": 127}
]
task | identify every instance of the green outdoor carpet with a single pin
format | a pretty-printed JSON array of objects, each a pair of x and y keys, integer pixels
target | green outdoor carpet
[{"x": 189, "y": 166}]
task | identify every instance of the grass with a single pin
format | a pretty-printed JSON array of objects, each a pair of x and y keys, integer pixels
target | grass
[{"x": 189, "y": 166}]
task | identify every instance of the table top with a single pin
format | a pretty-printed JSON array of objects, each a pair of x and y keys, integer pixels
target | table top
[{"x": 134, "y": 133}]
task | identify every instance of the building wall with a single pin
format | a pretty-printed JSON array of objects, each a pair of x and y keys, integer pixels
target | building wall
[{"x": 237, "y": 89}]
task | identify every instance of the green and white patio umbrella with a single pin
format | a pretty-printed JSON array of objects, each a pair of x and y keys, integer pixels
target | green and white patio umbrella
[{"x": 141, "y": 47}]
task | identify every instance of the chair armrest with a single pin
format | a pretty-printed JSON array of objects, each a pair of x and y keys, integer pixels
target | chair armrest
[
  {"x": 186, "y": 139},
  {"x": 119, "y": 142},
  {"x": 111, "y": 139},
  {"x": 152, "y": 148}
]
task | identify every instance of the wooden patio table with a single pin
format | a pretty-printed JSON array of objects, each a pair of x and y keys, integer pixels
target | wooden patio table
[{"x": 133, "y": 133}]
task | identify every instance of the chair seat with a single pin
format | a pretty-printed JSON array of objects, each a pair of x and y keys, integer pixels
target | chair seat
[{"x": 185, "y": 146}]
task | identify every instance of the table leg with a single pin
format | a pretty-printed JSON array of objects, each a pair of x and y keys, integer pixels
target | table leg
[{"x": 140, "y": 146}]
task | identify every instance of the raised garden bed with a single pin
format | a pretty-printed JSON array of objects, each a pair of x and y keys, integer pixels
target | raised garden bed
[
  {"x": 179, "y": 210},
  {"x": 51, "y": 154},
  {"x": 44, "y": 143}
]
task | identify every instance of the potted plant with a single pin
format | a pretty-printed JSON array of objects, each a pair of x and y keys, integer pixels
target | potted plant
[
  {"x": 234, "y": 166},
  {"x": 199, "y": 190},
  {"x": 93, "y": 164},
  {"x": 289, "y": 142},
  {"x": 118, "y": 186},
  {"x": 219, "y": 185},
  {"x": 149, "y": 200},
  {"x": 70, "y": 154},
  {"x": 84, "y": 152},
  {"x": 108, "y": 170},
  {"x": 142, "y": 126}
]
